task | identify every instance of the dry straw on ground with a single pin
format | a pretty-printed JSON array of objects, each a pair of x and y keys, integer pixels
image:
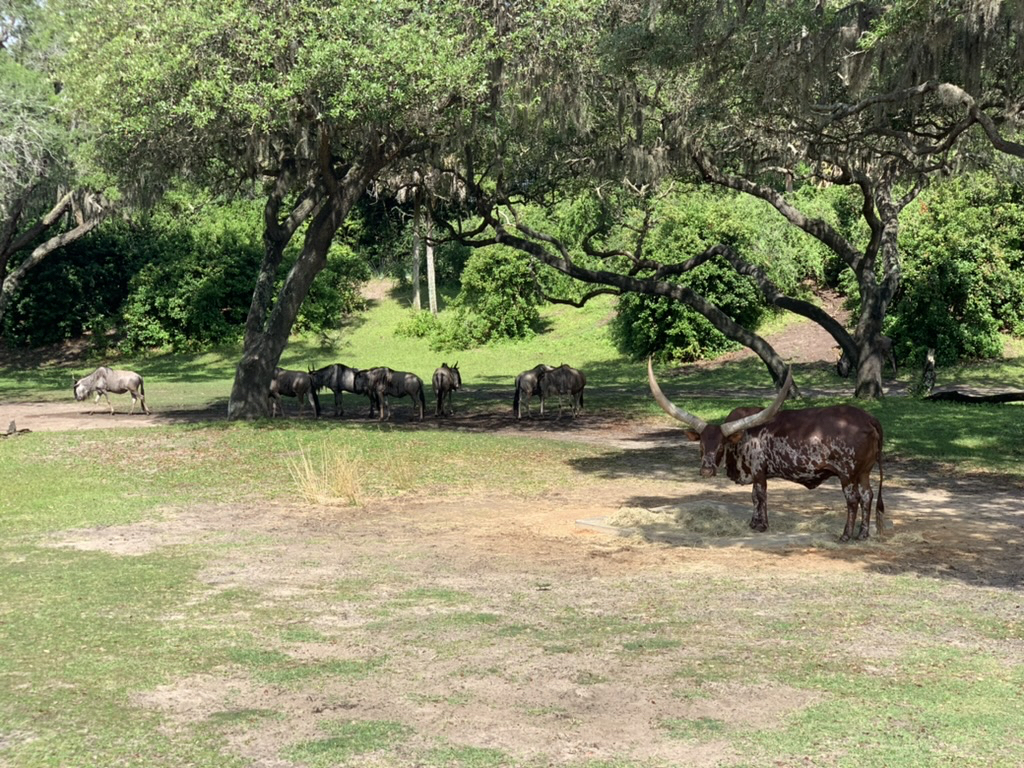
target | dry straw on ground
[{"x": 332, "y": 479}]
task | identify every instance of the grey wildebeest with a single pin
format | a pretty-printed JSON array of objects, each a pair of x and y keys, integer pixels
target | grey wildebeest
[
  {"x": 446, "y": 381},
  {"x": 804, "y": 445},
  {"x": 297, "y": 384},
  {"x": 338, "y": 378},
  {"x": 564, "y": 380},
  {"x": 380, "y": 383},
  {"x": 528, "y": 384},
  {"x": 104, "y": 380}
]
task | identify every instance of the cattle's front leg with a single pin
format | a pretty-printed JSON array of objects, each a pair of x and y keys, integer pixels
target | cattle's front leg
[
  {"x": 852, "y": 494},
  {"x": 759, "y": 522}
]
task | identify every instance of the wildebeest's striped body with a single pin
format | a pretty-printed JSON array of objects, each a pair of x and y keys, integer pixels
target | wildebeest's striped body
[
  {"x": 564, "y": 380},
  {"x": 382, "y": 382},
  {"x": 446, "y": 381},
  {"x": 338, "y": 378},
  {"x": 297, "y": 384},
  {"x": 104, "y": 380},
  {"x": 528, "y": 384}
]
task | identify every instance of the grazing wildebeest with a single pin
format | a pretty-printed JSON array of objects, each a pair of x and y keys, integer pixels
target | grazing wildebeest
[
  {"x": 564, "y": 380},
  {"x": 338, "y": 378},
  {"x": 104, "y": 380},
  {"x": 446, "y": 381},
  {"x": 528, "y": 384},
  {"x": 297, "y": 384},
  {"x": 805, "y": 445},
  {"x": 383, "y": 382}
]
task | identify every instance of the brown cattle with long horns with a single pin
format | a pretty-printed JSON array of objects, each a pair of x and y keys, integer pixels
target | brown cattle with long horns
[{"x": 805, "y": 445}]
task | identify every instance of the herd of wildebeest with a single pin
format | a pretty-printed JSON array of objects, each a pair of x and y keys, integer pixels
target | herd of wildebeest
[
  {"x": 803, "y": 445},
  {"x": 376, "y": 384}
]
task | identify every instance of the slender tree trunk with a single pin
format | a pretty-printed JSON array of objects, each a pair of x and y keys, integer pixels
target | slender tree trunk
[
  {"x": 431, "y": 279},
  {"x": 877, "y": 295},
  {"x": 417, "y": 303}
]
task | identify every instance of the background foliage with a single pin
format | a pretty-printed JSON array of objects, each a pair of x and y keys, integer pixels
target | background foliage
[{"x": 963, "y": 245}]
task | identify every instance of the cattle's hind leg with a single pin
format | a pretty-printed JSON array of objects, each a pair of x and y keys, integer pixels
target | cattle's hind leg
[
  {"x": 866, "y": 498},
  {"x": 853, "y": 496}
]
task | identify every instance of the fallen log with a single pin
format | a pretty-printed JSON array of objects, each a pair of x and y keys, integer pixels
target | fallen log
[{"x": 958, "y": 394}]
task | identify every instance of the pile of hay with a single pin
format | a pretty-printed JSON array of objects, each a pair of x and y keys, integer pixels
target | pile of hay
[{"x": 706, "y": 518}]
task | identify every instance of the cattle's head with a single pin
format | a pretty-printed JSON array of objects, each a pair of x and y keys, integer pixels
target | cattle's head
[{"x": 715, "y": 439}]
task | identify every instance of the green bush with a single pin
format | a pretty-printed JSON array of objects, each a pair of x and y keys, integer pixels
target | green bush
[
  {"x": 686, "y": 226},
  {"x": 962, "y": 245},
  {"x": 79, "y": 288},
  {"x": 335, "y": 292},
  {"x": 197, "y": 282},
  {"x": 499, "y": 297}
]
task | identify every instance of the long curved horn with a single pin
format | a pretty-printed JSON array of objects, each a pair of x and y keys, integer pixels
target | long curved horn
[
  {"x": 666, "y": 405},
  {"x": 761, "y": 417}
]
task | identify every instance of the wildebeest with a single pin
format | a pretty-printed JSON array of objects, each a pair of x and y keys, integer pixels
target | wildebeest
[
  {"x": 338, "y": 378},
  {"x": 564, "y": 380},
  {"x": 382, "y": 382},
  {"x": 446, "y": 381},
  {"x": 528, "y": 384},
  {"x": 104, "y": 380},
  {"x": 805, "y": 445},
  {"x": 297, "y": 384}
]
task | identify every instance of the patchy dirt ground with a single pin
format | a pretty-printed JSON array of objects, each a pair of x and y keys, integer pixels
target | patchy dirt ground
[{"x": 530, "y": 556}]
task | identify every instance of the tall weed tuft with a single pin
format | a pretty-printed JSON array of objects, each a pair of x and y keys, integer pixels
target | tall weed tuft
[{"x": 332, "y": 479}]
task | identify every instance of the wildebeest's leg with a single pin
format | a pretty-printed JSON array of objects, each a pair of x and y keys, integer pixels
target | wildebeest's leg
[
  {"x": 852, "y": 493},
  {"x": 759, "y": 522},
  {"x": 110, "y": 405},
  {"x": 338, "y": 409}
]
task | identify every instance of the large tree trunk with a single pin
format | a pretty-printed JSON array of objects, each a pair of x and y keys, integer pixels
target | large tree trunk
[
  {"x": 262, "y": 349},
  {"x": 267, "y": 330}
]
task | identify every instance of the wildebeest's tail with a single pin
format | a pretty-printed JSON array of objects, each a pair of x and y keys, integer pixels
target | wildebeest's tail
[{"x": 515, "y": 399}]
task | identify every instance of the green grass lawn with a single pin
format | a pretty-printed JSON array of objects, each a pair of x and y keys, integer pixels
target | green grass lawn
[{"x": 866, "y": 667}]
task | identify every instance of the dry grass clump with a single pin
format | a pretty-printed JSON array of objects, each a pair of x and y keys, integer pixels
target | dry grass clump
[
  {"x": 335, "y": 478},
  {"x": 340, "y": 476}
]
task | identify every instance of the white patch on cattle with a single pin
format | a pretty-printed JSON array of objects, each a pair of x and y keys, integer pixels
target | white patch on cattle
[{"x": 799, "y": 461}]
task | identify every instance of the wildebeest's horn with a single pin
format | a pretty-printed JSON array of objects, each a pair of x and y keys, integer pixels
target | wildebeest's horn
[
  {"x": 672, "y": 410},
  {"x": 761, "y": 417}
]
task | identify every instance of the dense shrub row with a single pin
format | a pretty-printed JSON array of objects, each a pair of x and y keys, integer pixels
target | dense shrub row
[{"x": 183, "y": 277}]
